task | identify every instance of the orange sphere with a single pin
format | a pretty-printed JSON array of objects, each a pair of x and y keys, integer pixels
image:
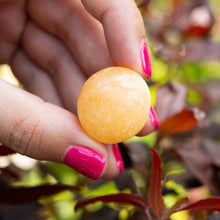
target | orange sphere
[{"x": 113, "y": 105}]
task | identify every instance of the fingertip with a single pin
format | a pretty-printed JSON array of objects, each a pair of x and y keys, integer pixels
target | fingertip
[
  {"x": 47, "y": 132},
  {"x": 115, "y": 164},
  {"x": 145, "y": 60},
  {"x": 95, "y": 163},
  {"x": 85, "y": 160},
  {"x": 118, "y": 157},
  {"x": 154, "y": 118},
  {"x": 151, "y": 125}
]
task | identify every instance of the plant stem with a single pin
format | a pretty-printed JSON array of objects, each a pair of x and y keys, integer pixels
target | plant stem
[{"x": 148, "y": 214}]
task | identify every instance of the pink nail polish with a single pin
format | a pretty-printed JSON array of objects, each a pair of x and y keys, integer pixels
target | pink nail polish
[
  {"x": 85, "y": 160},
  {"x": 118, "y": 157},
  {"x": 154, "y": 119},
  {"x": 145, "y": 59}
]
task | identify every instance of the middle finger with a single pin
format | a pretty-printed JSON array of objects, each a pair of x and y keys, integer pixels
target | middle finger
[{"x": 76, "y": 28}]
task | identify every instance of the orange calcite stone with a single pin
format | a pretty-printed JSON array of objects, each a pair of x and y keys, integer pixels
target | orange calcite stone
[{"x": 113, "y": 105}]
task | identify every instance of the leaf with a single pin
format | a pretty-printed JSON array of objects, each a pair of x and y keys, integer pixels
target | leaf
[
  {"x": 199, "y": 50},
  {"x": 212, "y": 148},
  {"x": 11, "y": 172},
  {"x": 4, "y": 151},
  {"x": 200, "y": 165},
  {"x": 154, "y": 195},
  {"x": 171, "y": 99},
  {"x": 175, "y": 207},
  {"x": 18, "y": 195},
  {"x": 181, "y": 122},
  {"x": 197, "y": 31},
  {"x": 211, "y": 204},
  {"x": 213, "y": 217},
  {"x": 121, "y": 198}
]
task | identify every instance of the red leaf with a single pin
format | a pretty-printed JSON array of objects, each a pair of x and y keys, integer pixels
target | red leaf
[
  {"x": 213, "y": 217},
  {"x": 212, "y": 149},
  {"x": 18, "y": 195},
  {"x": 200, "y": 164},
  {"x": 154, "y": 195},
  {"x": 171, "y": 99},
  {"x": 121, "y": 198},
  {"x": 10, "y": 172},
  {"x": 202, "y": 50},
  {"x": 181, "y": 122},
  {"x": 212, "y": 204},
  {"x": 197, "y": 31},
  {"x": 5, "y": 151}
]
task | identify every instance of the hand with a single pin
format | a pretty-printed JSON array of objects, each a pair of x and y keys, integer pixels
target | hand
[{"x": 52, "y": 46}]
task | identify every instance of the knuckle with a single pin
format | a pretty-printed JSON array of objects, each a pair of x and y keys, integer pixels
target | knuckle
[{"x": 25, "y": 135}]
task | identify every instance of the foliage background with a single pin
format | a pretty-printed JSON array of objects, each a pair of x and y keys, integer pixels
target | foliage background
[{"x": 184, "y": 41}]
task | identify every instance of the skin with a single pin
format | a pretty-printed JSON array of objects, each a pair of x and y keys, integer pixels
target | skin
[{"x": 52, "y": 47}]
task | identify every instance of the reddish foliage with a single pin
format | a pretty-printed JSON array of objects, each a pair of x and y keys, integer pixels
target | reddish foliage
[
  {"x": 11, "y": 172},
  {"x": 154, "y": 195},
  {"x": 201, "y": 166},
  {"x": 18, "y": 195},
  {"x": 199, "y": 50},
  {"x": 171, "y": 99},
  {"x": 181, "y": 122},
  {"x": 212, "y": 150},
  {"x": 213, "y": 217},
  {"x": 122, "y": 198},
  {"x": 197, "y": 31},
  {"x": 212, "y": 204}
]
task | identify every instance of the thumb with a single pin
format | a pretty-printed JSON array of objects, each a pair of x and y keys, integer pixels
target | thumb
[{"x": 45, "y": 131}]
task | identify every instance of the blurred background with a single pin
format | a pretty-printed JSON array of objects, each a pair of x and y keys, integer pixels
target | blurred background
[{"x": 184, "y": 42}]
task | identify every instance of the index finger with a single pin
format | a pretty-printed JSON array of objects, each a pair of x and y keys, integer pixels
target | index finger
[{"x": 124, "y": 32}]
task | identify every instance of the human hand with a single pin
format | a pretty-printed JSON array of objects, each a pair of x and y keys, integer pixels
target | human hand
[{"x": 52, "y": 46}]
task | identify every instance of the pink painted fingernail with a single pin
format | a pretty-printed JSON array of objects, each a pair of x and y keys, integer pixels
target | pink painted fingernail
[
  {"x": 145, "y": 59},
  {"x": 118, "y": 157},
  {"x": 154, "y": 119},
  {"x": 85, "y": 160}
]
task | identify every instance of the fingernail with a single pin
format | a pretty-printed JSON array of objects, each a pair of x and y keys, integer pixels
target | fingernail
[
  {"x": 154, "y": 119},
  {"x": 85, "y": 160},
  {"x": 145, "y": 59},
  {"x": 118, "y": 157}
]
